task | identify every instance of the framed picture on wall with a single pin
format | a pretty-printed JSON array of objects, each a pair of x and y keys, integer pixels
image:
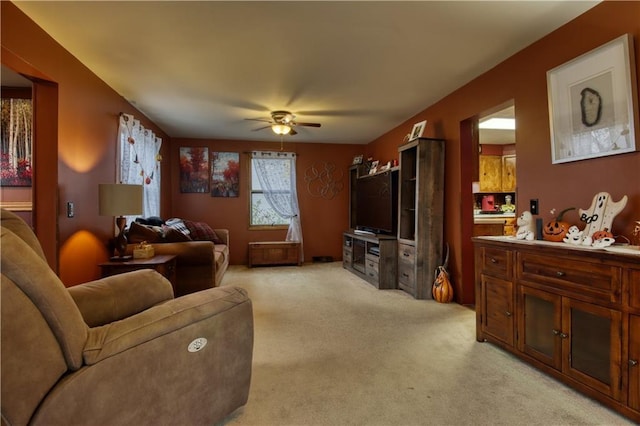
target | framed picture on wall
[
  {"x": 591, "y": 104},
  {"x": 17, "y": 142},
  {"x": 194, "y": 169},
  {"x": 225, "y": 174}
]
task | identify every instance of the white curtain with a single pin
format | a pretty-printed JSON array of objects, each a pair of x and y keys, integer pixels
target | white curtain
[
  {"x": 139, "y": 156},
  {"x": 276, "y": 172}
]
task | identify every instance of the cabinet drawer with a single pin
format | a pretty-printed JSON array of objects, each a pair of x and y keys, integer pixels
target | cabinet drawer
[
  {"x": 581, "y": 278},
  {"x": 406, "y": 253},
  {"x": 497, "y": 262},
  {"x": 372, "y": 264},
  {"x": 347, "y": 255},
  {"x": 372, "y": 273},
  {"x": 497, "y": 307},
  {"x": 406, "y": 275}
]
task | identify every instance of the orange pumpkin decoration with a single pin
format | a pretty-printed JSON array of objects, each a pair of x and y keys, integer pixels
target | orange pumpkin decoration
[
  {"x": 442, "y": 290},
  {"x": 556, "y": 230},
  {"x": 598, "y": 235}
]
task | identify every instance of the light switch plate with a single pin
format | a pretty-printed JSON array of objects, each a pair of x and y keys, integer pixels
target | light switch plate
[{"x": 70, "y": 209}]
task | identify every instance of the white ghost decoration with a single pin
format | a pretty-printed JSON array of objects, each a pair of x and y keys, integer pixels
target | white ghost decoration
[
  {"x": 600, "y": 215},
  {"x": 574, "y": 236},
  {"x": 526, "y": 227}
]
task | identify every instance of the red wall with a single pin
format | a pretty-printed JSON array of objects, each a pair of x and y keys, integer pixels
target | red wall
[
  {"x": 523, "y": 78},
  {"x": 323, "y": 218},
  {"x": 87, "y": 125}
]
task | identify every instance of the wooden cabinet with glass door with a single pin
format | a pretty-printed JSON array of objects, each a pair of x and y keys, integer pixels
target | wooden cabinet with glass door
[
  {"x": 633, "y": 363},
  {"x": 579, "y": 339},
  {"x": 420, "y": 215},
  {"x": 576, "y": 313}
]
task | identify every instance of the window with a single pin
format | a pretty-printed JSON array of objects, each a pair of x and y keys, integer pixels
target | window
[
  {"x": 139, "y": 155},
  {"x": 279, "y": 176},
  {"x": 274, "y": 198}
]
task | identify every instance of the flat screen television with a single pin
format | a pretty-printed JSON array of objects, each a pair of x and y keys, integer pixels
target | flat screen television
[{"x": 377, "y": 203}]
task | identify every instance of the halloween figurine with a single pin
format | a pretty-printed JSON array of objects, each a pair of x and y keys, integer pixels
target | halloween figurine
[
  {"x": 526, "y": 227},
  {"x": 573, "y": 236},
  {"x": 599, "y": 215}
]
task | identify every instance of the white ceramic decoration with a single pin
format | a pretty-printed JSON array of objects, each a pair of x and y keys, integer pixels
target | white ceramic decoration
[
  {"x": 599, "y": 216},
  {"x": 526, "y": 227},
  {"x": 574, "y": 236},
  {"x": 603, "y": 242}
]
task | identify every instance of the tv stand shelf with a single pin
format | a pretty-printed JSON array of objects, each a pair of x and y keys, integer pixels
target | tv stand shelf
[{"x": 371, "y": 257}]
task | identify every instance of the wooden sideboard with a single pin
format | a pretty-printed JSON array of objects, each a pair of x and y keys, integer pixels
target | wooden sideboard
[{"x": 572, "y": 312}]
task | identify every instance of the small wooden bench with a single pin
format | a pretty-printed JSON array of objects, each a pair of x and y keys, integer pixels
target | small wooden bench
[{"x": 274, "y": 253}]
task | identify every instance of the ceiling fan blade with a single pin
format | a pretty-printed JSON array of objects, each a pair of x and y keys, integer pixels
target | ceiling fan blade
[
  {"x": 265, "y": 120},
  {"x": 293, "y": 132},
  {"x": 261, "y": 128},
  {"x": 307, "y": 124}
]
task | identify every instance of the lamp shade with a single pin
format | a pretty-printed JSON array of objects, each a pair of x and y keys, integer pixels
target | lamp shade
[
  {"x": 117, "y": 199},
  {"x": 281, "y": 129}
]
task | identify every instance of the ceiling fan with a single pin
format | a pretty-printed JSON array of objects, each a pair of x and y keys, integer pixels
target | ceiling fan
[{"x": 282, "y": 123}]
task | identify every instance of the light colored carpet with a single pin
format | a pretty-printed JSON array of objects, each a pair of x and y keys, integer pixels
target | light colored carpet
[{"x": 330, "y": 349}]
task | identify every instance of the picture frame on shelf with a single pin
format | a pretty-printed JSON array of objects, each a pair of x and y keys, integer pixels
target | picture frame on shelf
[
  {"x": 418, "y": 130},
  {"x": 591, "y": 103},
  {"x": 374, "y": 167},
  {"x": 357, "y": 160}
]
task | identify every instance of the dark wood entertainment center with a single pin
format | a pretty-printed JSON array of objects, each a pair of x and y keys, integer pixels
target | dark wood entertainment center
[
  {"x": 408, "y": 259},
  {"x": 371, "y": 257}
]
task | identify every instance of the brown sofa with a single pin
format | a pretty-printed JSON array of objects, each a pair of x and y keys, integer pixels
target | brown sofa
[
  {"x": 200, "y": 264},
  {"x": 116, "y": 351}
]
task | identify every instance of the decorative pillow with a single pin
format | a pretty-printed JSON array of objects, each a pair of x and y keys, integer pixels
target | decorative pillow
[
  {"x": 178, "y": 225},
  {"x": 172, "y": 235},
  {"x": 202, "y": 232},
  {"x": 139, "y": 233}
]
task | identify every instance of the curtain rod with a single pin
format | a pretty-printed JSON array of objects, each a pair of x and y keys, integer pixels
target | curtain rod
[{"x": 263, "y": 151}]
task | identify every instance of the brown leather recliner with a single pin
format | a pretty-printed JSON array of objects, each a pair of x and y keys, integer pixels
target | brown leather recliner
[{"x": 116, "y": 351}]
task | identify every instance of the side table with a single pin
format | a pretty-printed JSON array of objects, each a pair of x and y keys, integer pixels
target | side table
[{"x": 165, "y": 264}]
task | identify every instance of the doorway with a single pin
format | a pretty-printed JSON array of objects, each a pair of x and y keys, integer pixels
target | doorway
[
  {"x": 44, "y": 192},
  {"x": 495, "y": 188},
  {"x": 471, "y": 148},
  {"x": 17, "y": 110}
]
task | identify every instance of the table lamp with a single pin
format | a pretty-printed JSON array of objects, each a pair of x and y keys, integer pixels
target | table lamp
[{"x": 117, "y": 199}]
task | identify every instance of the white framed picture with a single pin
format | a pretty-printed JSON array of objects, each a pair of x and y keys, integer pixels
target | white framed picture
[
  {"x": 418, "y": 130},
  {"x": 591, "y": 103}
]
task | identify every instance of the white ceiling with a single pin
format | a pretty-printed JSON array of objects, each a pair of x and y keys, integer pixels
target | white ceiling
[
  {"x": 498, "y": 136},
  {"x": 199, "y": 69}
]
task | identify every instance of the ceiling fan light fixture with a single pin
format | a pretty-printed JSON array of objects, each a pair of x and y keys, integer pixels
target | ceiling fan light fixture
[{"x": 281, "y": 129}]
